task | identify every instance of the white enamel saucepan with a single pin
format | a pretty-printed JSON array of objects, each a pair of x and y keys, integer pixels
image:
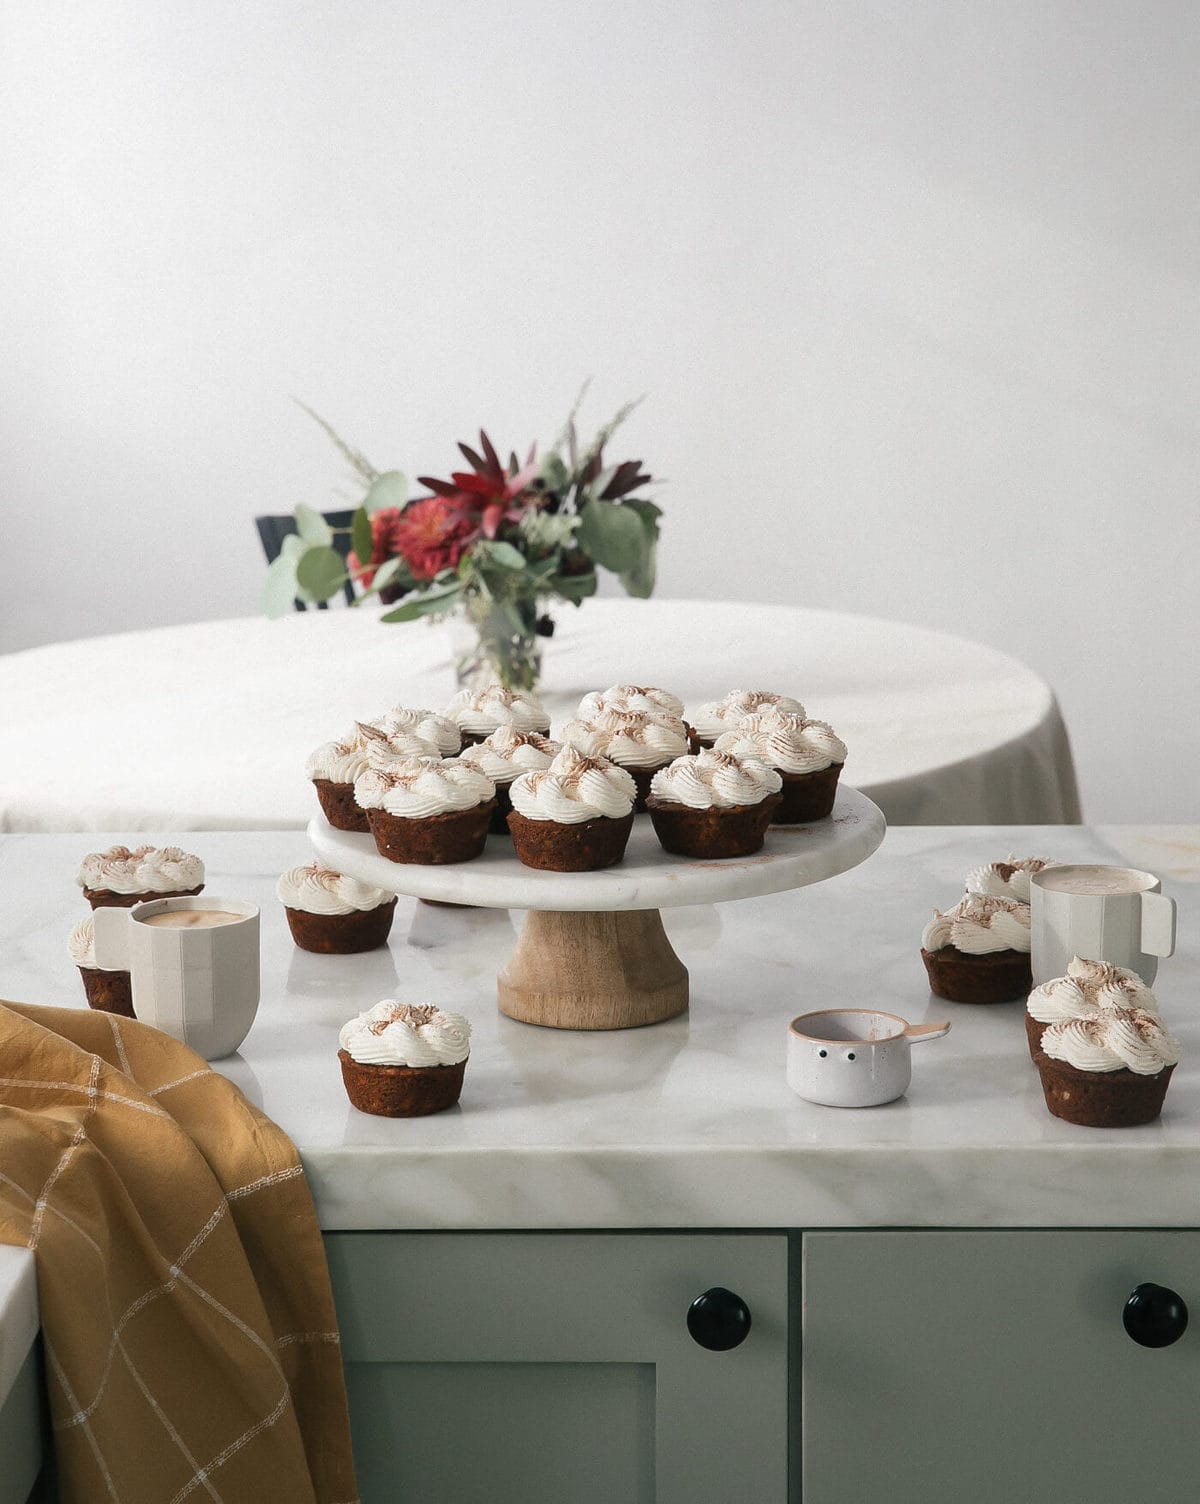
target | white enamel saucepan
[{"x": 853, "y": 1057}]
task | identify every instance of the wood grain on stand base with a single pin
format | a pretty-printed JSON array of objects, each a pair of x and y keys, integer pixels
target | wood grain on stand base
[{"x": 593, "y": 971}]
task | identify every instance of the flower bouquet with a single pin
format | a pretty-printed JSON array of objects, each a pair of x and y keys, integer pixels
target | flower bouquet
[{"x": 495, "y": 544}]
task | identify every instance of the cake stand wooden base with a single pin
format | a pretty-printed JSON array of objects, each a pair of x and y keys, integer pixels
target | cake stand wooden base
[{"x": 593, "y": 971}]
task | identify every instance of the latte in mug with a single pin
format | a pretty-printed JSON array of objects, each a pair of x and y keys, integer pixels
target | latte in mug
[
  {"x": 1100, "y": 913},
  {"x": 191, "y": 919},
  {"x": 1100, "y": 881}
]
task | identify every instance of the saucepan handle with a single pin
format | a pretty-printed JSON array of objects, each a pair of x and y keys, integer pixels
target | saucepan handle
[{"x": 917, "y": 1032}]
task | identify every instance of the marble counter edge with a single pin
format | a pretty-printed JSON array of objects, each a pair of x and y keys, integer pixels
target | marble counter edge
[{"x": 19, "y": 1320}]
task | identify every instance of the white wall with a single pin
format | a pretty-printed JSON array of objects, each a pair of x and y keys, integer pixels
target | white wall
[{"x": 913, "y": 289}]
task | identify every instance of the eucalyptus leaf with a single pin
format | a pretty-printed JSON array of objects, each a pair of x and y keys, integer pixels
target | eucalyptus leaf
[
  {"x": 573, "y": 587},
  {"x": 293, "y": 546},
  {"x": 506, "y": 556},
  {"x": 611, "y": 535},
  {"x": 388, "y": 490},
  {"x": 639, "y": 580},
  {"x": 312, "y": 527},
  {"x": 385, "y": 575},
  {"x": 279, "y": 587},
  {"x": 360, "y": 535},
  {"x": 320, "y": 573},
  {"x": 430, "y": 603},
  {"x": 544, "y": 568}
]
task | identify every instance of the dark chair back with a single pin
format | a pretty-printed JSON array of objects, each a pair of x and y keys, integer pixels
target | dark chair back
[{"x": 273, "y": 530}]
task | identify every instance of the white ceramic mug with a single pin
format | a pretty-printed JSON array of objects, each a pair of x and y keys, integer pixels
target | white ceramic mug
[
  {"x": 199, "y": 985},
  {"x": 1114, "y": 914},
  {"x": 853, "y": 1057}
]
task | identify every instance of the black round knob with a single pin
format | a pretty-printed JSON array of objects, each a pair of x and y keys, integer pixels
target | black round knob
[
  {"x": 718, "y": 1319},
  {"x": 1155, "y": 1316}
]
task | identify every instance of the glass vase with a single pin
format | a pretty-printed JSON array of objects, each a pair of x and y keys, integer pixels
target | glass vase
[{"x": 496, "y": 644}]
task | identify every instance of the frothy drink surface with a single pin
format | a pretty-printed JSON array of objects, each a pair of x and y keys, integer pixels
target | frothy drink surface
[
  {"x": 1101, "y": 882},
  {"x": 191, "y": 919}
]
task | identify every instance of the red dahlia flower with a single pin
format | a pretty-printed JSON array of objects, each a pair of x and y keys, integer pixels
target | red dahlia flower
[
  {"x": 487, "y": 489},
  {"x": 432, "y": 534}
]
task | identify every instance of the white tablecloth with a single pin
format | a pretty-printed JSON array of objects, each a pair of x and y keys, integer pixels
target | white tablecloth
[{"x": 207, "y": 727}]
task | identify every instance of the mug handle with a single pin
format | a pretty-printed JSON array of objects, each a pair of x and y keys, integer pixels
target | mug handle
[
  {"x": 917, "y": 1032},
  {"x": 1158, "y": 924},
  {"x": 112, "y": 938}
]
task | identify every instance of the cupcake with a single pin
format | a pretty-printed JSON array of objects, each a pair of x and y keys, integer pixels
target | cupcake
[
  {"x": 1088, "y": 987},
  {"x": 479, "y": 712},
  {"x": 404, "y": 1060},
  {"x": 118, "y": 878},
  {"x": 635, "y": 740},
  {"x": 1109, "y": 1070},
  {"x": 713, "y": 804},
  {"x": 574, "y": 816},
  {"x": 107, "y": 991},
  {"x": 441, "y": 732},
  {"x": 504, "y": 756},
  {"x": 428, "y": 810},
  {"x": 1007, "y": 879},
  {"x": 718, "y": 716},
  {"x": 978, "y": 951},
  {"x": 652, "y": 702},
  {"x": 333, "y": 914},
  {"x": 334, "y": 766},
  {"x": 806, "y": 755}
]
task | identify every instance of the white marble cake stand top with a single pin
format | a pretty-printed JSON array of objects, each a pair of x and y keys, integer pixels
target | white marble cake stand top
[{"x": 647, "y": 878}]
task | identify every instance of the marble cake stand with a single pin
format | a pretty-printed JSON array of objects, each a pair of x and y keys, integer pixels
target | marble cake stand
[{"x": 593, "y": 953}]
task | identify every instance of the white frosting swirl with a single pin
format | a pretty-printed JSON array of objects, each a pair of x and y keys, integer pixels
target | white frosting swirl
[
  {"x": 630, "y": 738},
  {"x": 417, "y": 787},
  {"x": 482, "y": 711},
  {"x": 1006, "y": 879},
  {"x": 438, "y": 730},
  {"x": 715, "y": 780},
  {"x": 650, "y": 701},
  {"x": 418, "y": 1035},
  {"x": 320, "y": 890},
  {"x": 786, "y": 741},
  {"x": 1087, "y": 988},
  {"x": 575, "y": 788},
  {"x": 979, "y": 926},
  {"x": 342, "y": 761},
  {"x": 718, "y": 716},
  {"x": 1113, "y": 1039},
  {"x": 81, "y": 943},
  {"x": 508, "y": 753},
  {"x": 145, "y": 869}
]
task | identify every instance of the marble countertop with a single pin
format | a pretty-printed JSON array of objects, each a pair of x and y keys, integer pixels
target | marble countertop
[{"x": 688, "y": 1123}]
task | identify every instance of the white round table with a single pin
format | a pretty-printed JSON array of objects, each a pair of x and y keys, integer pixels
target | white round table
[{"x": 207, "y": 727}]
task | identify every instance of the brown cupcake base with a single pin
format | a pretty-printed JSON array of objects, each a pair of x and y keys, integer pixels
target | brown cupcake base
[
  {"x": 807, "y": 796},
  {"x": 712, "y": 834},
  {"x": 401, "y": 1091},
  {"x": 1002, "y": 976},
  {"x": 108, "y": 991},
  {"x": 101, "y": 898},
  {"x": 642, "y": 778},
  {"x": 1101, "y": 1099},
  {"x": 1034, "y": 1029},
  {"x": 585, "y": 847},
  {"x": 499, "y": 821},
  {"x": 341, "y": 934},
  {"x": 434, "y": 840},
  {"x": 337, "y": 800}
]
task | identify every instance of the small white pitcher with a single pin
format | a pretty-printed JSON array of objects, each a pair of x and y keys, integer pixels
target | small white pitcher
[{"x": 853, "y": 1057}]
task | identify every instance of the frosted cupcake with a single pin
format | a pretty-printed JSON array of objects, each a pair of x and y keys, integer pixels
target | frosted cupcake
[
  {"x": 806, "y": 754},
  {"x": 404, "y": 1060},
  {"x": 479, "y": 712},
  {"x": 1007, "y": 879},
  {"x": 438, "y": 730},
  {"x": 713, "y": 804},
  {"x": 503, "y": 757},
  {"x": 574, "y": 816},
  {"x": 120, "y": 877},
  {"x": 1108, "y": 1070},
  {"x": 718, "y": 716},
  {"x": 638, "y": 741},
  {"x": 650, "y": 701},
  {"x": 333, "y": 914},
  {"x": 1087, "y": 988},
  {"x": 428, "y": 810},
  {"x": 978, "y": 951},
  {"x": 334, "y": 766},
  {"x": 107, "y": 991}
]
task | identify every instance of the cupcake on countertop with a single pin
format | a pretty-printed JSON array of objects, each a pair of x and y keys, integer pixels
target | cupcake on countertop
[
  {"x": 119, "y": 877},
  {"x": 107, "y": 991},
  {"x": 439, "y": 730},
  {"x": 504, "y": 756},
  {"x": 428, "y": 810},
  {"x": 334, "y": 766},
  {"x": 333, "y": 914},
  {"x": 718, "y": 716},
  {"x": 978, "y": 951},
  {"x": 1109, "y": 1068},
  {"x": 1087, "y": 988},
  {"x": 479, "y": 712},
  {"x": 713, "y": 804},
  {"x": 650, "y": 701},
  {"x": 635, "y": 740},
  {"x": 1007, "y": 879},
  {"x": 807, "y": 755},
  {"x": 574, "y": 816},
  {"x": 404, "y": 1060}
]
